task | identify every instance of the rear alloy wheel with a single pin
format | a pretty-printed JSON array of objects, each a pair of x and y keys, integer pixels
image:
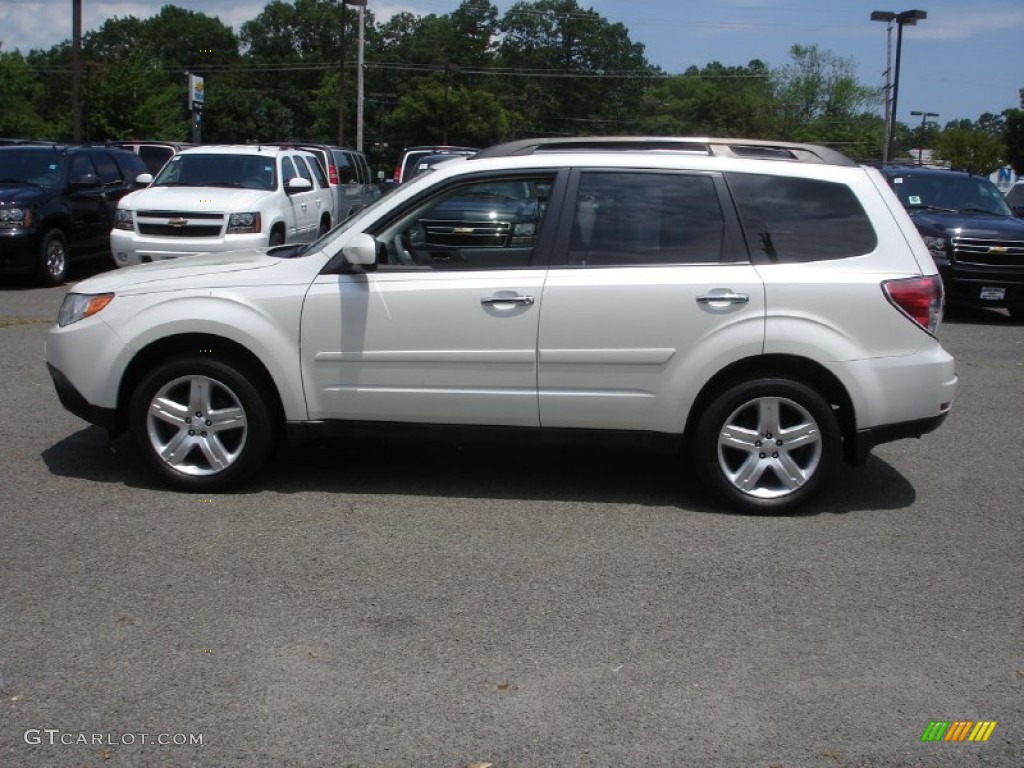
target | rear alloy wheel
[
  {"x": 767, "y": 446},
  {"x": 53, "y": 258},
  {"x": 201, "y": 424}
]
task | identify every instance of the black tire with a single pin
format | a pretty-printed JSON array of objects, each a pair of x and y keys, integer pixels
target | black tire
[
  {"x": 53, "y": 266},
  {"x": 276, "y": 237},
  {"x": 212, "y": 428},
  {"x": 325, "y": 227},
  {"x": 767, "y": 446}
]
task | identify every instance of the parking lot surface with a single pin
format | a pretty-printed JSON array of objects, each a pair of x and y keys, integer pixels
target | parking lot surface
[{"x": 430, "y": 605}]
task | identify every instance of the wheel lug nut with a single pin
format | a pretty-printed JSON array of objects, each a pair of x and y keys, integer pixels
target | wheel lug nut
[
  {"x": 203, "y": 434},
  {"x": 210, "y": 423},
  {"x": 188, "y": 419},
  {"x": 777, "y": 442},
  {"x": 757, "y": 444},
  {"x": 775, "y": 455},
  {"x": 199, "y": 414},
  {"x": 191, "y": 433},
  {"x": 762, "y": 455}
]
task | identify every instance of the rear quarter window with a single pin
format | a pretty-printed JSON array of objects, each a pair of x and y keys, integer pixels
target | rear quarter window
[{"x": 788, "y": 220}]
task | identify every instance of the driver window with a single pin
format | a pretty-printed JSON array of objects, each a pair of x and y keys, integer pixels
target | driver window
[{"x": 489, "y": 224}]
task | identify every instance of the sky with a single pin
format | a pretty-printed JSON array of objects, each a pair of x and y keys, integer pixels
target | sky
[{"x": 965, "y": 59}]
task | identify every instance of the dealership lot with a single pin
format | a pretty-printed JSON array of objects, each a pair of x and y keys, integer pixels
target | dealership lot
[{"x": 380, "y": 604}]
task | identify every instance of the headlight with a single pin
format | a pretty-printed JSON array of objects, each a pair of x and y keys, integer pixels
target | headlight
[
  {"x": 15, "y": 217},
  {"x": 243, "y": 223},
  {"x": 937, "y": 245},
  {"x": 123, "y": 220},
  {"x": 78, "y": 306}
]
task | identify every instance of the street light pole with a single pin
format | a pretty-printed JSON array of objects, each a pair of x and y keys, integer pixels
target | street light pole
[
  {"x": 341, "y": 69},
  {"x": 924, "y": 119},
  {"x": 901, "y": 20}
]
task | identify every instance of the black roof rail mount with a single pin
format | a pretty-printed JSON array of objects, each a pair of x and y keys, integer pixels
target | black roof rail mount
[{"x": 745, "y": 148}]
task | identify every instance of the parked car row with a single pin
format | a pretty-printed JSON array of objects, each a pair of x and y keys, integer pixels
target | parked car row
[{"x": 60, "y": 202}]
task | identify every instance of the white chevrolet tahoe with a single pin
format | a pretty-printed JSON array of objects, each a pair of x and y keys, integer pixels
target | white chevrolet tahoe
[
  {"x": 222, "y": 198},
  {"x": 767, "y": 309}
]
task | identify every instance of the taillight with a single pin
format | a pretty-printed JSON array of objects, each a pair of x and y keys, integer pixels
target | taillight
[
  {"x": 398, "y": 173},
  {"x": 920, "y": 299},
  {"x": 332, "y": 174}
]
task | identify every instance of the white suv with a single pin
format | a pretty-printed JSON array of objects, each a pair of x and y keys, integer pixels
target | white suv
[
  {"x": 768, "y": 308},
  {"x": 222, "y": 198}
]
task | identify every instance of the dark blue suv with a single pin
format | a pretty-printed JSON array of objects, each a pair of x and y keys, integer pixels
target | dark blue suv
[
  {"x": 57, "y": 203},
  {"x": 971, "y": 232}
]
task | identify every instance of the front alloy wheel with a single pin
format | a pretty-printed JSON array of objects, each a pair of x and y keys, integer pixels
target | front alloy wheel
[
  {"x": 200, "y": 424},
  {"x": 768, "y": 445}
]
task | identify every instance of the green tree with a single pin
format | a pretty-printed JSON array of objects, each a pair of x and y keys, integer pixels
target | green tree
[
  {"x": 819, "y": 99},
  {"x": 1013, "y": 137},
  {"x": 569, "y": 70},
  {"x": 970, "y": 148},
  {"x": 19, "y": 85},
  {"x": 714, "y": 100},
  {"x": 450, "y": 115}
]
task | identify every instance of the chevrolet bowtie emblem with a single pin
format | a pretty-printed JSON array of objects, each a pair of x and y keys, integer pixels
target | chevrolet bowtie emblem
[
  {"x": 177, "y": 222},
  {"x": 997, "y": 249}
]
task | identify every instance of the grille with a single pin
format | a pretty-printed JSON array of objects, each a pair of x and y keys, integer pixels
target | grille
[
  {"x": 197, "y": 223},
  {"x": 467, "y": 233},
  {"x": 988, "y": 252},
  {"x": 166, "y": 230}
]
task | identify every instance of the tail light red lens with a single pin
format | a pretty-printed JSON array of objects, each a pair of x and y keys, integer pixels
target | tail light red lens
[
  {"x": 919, "y": 298},
  {"x": 332, "y": 174}
]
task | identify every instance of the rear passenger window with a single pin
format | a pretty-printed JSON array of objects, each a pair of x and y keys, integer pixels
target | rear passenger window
[
  {"x": 637, "y": 219},
  {"x": 318, "y": 172},
  {"x": 346, "y": 173},
  {"x": 798, "y": 220},
  {"x": 300, "y": 165}
]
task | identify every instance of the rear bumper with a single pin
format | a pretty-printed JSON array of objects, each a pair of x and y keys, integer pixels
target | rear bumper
[{"x": 866, "y": 439}]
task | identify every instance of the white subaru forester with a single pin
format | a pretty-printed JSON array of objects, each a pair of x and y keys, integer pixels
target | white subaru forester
[{"x": 768, "y": 308}]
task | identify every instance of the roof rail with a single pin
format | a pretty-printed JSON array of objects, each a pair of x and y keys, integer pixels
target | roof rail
[{"x": 745, "y": 148}]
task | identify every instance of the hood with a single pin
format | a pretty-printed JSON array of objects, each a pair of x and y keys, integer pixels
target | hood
[
  {"x": 203, "y": 199},
  {"x": 189, "y": 272},
  {"x": 940, "y": 224},
  {"x": 22, "y": 194}
]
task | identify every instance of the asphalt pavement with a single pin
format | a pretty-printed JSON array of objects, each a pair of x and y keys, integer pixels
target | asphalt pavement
[{"x": 389, "y": 605}]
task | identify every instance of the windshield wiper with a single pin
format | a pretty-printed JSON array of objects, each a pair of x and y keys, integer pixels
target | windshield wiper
[
  {"x": 923, "y": 207},
  {"x": 975, "y": 209},
  {"x": 17, "y": 181}
]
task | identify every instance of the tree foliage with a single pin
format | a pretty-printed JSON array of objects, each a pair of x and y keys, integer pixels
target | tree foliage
[{"x": 473, "y": 76}]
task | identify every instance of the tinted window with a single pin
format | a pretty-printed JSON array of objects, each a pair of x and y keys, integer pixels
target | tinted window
[
  {"x": 287, "y": 170},
  {"x": 154, "y": 157},
  {"x": 81, "y": 166},
  {"x": 130, "y": 165},
  {"x": 108, "y": 170},
  {"x": 948, "y": 191},
  {"x": 41, "y": 168},
  {"x": 624, "y": 218},
  {"x": 303, "y": 169},
  {"x": 798, "y": 220},
  {"x": 318, "y": 173},
  {"x": 346, "y": 171},
  {"x": 211, "y": 170}
]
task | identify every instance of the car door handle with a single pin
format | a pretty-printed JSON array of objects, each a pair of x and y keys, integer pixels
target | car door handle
[
  {"x": 728, "y": 297},
  {"x": 490, "y": 301}
]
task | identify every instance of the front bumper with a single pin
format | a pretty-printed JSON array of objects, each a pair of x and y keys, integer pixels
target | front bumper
[
  {"x": 983, "y": 287},
  {"x": 19, "y": 250},
  {"x": 75, "y": 402},
  {"x": 130, "y": 248}
]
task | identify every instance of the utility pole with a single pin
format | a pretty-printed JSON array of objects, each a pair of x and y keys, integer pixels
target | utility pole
[{"x": 76, "y": 71}]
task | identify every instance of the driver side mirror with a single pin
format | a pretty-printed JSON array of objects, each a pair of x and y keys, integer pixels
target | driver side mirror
[{"x": 360, "y": 252}]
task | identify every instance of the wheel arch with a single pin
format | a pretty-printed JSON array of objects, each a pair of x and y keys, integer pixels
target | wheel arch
[
  {"x": 800, "y": 369},
  {"x": 216, "y": 346}
]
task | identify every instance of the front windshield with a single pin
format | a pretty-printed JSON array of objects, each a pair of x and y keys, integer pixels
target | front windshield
[
  {"x": 952, "y": 193},
  {"x": 213, "y": 170},
  {"x": 35, "y": 167}
]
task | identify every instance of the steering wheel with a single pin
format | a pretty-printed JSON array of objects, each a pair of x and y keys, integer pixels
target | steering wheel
[{"x": 404, "y": 250}]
